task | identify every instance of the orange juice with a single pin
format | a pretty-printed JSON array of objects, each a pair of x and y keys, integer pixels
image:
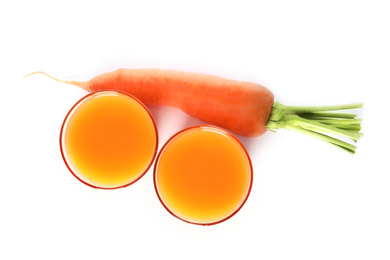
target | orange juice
[
  {"x": 203, "y": 175},
  {"x": 108, "y": 140}
]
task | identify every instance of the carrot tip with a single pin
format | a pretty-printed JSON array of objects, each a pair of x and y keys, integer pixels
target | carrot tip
[
  {"x": 74, "y": 83},
  {"x": 32, "y": 73}
]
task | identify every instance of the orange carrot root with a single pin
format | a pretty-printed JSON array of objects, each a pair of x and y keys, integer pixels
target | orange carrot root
[{"x": 241, "y": 107}]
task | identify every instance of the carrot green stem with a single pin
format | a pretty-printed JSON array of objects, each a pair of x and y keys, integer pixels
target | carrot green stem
[
  {"x": 327, "y": 115},
  {"x": 318, "y": 122}
]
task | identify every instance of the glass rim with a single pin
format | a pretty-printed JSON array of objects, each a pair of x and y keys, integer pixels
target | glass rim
[
  {"x": 183, "y": 131},
  {"x": 65, "y": 123}
]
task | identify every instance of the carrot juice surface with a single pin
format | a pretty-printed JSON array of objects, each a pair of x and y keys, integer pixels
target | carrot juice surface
[
  {"x": 203, "y": 175},
  {"x": 108, "y": 140}
]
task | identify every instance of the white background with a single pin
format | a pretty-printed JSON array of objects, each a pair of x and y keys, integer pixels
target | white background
[{"x": 309, "y": 200}]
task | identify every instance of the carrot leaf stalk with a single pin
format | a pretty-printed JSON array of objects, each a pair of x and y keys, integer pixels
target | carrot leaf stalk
[{"x": 319, "y": 122}]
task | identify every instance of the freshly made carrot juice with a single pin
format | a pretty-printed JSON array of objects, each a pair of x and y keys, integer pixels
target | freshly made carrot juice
[
  {"x": 203, "y": 175},
  {"x": 108, "y": 140}
]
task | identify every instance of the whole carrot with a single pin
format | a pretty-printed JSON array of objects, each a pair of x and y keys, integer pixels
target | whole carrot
[{"x": 245, "y": 108}]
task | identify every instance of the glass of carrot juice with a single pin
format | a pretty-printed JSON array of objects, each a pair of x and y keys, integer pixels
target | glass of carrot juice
[
  {"x": 203, "y": 175},
  {"x": 108, "y": 140}
]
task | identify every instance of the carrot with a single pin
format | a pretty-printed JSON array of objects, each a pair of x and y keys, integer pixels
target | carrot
[{"x": 245, "y": 108}]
